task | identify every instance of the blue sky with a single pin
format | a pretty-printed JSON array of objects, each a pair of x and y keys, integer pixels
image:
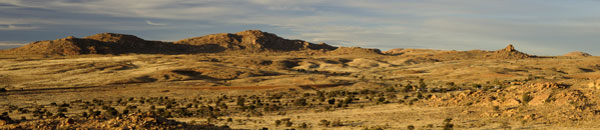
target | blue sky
[{"x": 541, "y": 27}]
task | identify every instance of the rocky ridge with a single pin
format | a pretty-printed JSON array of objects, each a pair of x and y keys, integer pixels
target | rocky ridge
[{"x": 112, "y": 43}]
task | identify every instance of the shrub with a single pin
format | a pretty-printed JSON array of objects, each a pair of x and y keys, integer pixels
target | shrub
[
  {"x": 348, "y": 100},
  {"x": 496, "y": 108},
  {"x": 6, "y": 118},
  {"x": 331, "y": 101},
  {"x": 324, "y": 123},
  {"x": 112, "y": 111},
  {"x": 84, "y": 114},
  {"x": 410, "y": 127},
  {"x": 476, "y": 86},
  {"x": 526, "y": 98},
  {"x": 373, "y": 128},
  {"x": 336, "y": 123},
  {"x": 277, "y": 123},
  {"x": 240, "y": 101},
  {"x": 62, "y": 109},
  {"x": 48, "y": 114},
  {"x": 60, "y": 114},
  {"x": 390, "y": 89},
  {"x": 304, "y": 125},
  {"x": 407, "y": 88},
  {"x": 447, "y": 124},
  {"x": 300, "y": 102},
  {"x": 381, "y": 99},
  {"x": 288, "y": 124},
  {"x": 96, "y": 113}
]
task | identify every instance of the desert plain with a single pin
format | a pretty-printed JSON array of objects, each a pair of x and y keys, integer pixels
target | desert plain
[{"x": 258, "y": 80}]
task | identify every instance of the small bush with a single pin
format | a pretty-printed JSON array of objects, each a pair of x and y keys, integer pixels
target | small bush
[
  {"x": 410, "y": 127},
  {"x": 300, "y": 102},
  {"x": 84, "y": 114},
  {"x": 337, "y": 123},
  {"x": 331, "y": 101},
  {"x": 324, "y": 123},
  {"x": 277, "y": 123},
  {"x": 60, "y": 114},
  {"x": 304, "y": 125},
  {"x": 496, "y": 108},
  {"x": 447, "y": 124},
  {"x": 526, "y": 98},
  {"x": 380, "y": 99},
  {"x": 240, "y": 101}
]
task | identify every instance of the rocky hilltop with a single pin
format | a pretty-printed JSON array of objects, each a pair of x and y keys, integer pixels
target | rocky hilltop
[
  {"x": 577, "y": 54},
  {"x": 510, "y": 53},
  {"x": 253, "y": 40},
  {"x": 112, "y": 43},
  {"x": 103, "y": 43},
  {"x": 248, "y": 41}
]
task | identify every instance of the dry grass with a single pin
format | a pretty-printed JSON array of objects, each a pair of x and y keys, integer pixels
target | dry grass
[{"x": 33, "y": 81}]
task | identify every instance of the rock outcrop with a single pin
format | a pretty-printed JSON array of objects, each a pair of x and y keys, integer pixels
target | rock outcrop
[
  {"x": 510, "y": 53},
  {"x": 577, "y": 54},
  {"x": 104, "y": 43},
  {"x": 112, "y": 43},
  {"x": 355, "y": 51},
  {"x": 253, "y": 40}
]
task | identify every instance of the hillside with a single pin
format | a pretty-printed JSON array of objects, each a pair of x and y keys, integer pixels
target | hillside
[
  {"x": 104, "y": 43},
  {"x": 112, "y": 43},
  {"x": 577, "y": 54},
  {"x": 253, "y": 40},
  {"x": 244, "y": 42}
]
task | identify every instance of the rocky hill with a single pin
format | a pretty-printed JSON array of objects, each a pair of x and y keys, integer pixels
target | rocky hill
[
  {"x": 509, "y": 53},
  {"x": 577, "y": 54},
  {"x": 104, "y": 43},
  {"x": 411, "y": 51},
  {"x": 112, "y": 43},
  {"x": 248, "y": 41},
  {"x": 253, "y": 40},
  {"x": 355, "y": 51}
]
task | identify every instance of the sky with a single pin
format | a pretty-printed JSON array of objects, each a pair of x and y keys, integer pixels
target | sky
[{"x": 540, "y": 27}]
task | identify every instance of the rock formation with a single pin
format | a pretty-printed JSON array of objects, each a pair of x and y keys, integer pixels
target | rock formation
[
  {"x": 510, "y": 53},
  {"x": 577, "y": 54},
  {"x": 112, "y": 43},
  {"x": 253, "y": 40}
]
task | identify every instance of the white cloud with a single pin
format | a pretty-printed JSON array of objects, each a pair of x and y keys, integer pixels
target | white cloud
[
  {"x": 10, "y": 27},
  {"x": 155, "y": 24},
  {"x": 11, "y": 43}
]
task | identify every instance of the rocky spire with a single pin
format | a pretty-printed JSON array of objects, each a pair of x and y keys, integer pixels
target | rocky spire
[{"x": 509, "y": 48}]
